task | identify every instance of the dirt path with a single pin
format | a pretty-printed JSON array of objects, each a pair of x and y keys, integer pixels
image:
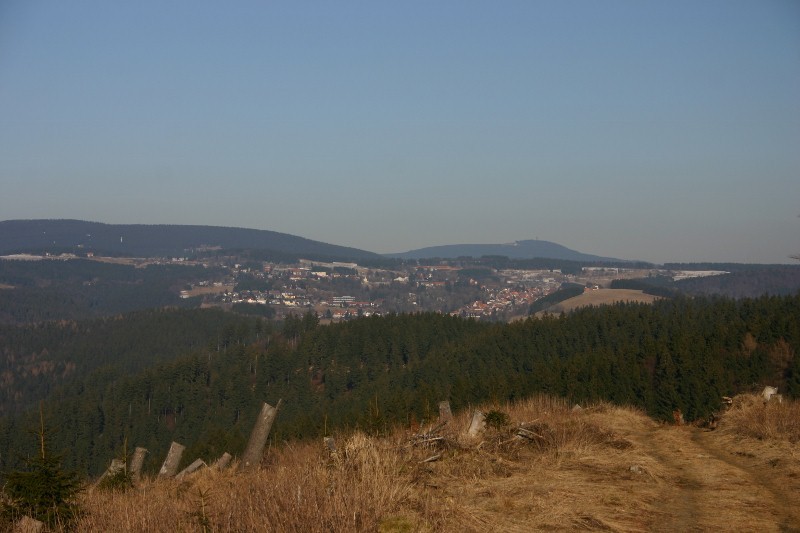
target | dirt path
[{"x": 705, "y": 485}]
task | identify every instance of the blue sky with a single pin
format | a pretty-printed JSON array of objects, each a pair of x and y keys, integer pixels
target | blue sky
[{"x": 662, "y": 131}]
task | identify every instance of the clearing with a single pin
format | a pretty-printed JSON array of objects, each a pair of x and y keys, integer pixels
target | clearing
[
  {"x": 625, "y": 472},
  {"x": 540, "y": 466}
]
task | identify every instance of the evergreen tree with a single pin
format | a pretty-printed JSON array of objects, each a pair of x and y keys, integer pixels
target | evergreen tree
[
  {"x": 43, "y": 490},
  {"x": 666, "y": 384}
]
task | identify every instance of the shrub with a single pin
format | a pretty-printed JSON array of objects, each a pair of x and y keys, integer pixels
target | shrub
[{"x": 497, "y": 419}]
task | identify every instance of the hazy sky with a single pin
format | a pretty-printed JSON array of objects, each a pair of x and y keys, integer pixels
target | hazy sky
[{"x": 662, "y": 131}]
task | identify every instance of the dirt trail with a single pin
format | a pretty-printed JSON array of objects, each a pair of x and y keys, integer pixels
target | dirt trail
[
  {"x": 615, "y": 469},
  {"x": 705, "y": 485}
]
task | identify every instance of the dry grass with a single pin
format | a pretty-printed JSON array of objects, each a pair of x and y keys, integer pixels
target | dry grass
[
  {"x": 211, "y": 289},
  {"x": 600, "y": 468},
  {"x": 299, "y": 490},
  {"x": 501, "y": 482},
  {"x": 749, "y": 416}
]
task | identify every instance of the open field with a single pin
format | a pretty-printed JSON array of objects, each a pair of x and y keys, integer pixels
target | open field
[
  {"x": 602, "y": 297},
  {"x": 601, "y": 468},
  {"x": 211, "y": 289}
]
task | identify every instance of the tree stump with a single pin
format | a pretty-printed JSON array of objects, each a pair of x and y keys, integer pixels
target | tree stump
[
  {"x": 170, "y": 466},
  {"x": 137, "y": 461},
  {"x": 116, "y": 466},
  {"x": 445, "y": 414},
  {"x": 477, "y": 424},
  {"x": 330, "y": 445},
  {"x": 251, "y": 457}
]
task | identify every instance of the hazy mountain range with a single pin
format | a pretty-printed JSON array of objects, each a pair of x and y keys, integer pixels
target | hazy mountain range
[
  {"x": 36, "y": 236},
  {"x": 528, "y": 249}
]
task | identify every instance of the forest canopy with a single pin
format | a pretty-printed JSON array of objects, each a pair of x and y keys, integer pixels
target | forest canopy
[{"x": 372, "y": 372}]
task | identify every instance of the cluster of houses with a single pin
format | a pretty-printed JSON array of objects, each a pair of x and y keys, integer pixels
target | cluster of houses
[
  {"x": 504, "y": 302},
  {"x": 339, "y": 291}
]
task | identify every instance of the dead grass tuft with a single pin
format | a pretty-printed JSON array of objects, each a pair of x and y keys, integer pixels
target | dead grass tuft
[{"x": 749, "y": 416}]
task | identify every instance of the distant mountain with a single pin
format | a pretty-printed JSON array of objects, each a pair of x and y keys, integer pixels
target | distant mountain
[
  {"x": 529, "y": 249},
  {"x": 156, "y": 240}
]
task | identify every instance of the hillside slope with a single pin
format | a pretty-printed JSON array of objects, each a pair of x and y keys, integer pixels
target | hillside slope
[
  {"x": 155, "y": 240},
  {"x": 603, "y": 468},
  {"x": 601, "y": 297},
  {"x": 378, "y": 371}
]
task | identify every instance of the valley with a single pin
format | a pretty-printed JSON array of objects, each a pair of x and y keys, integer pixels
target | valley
[{"x": 118, "y": 351}]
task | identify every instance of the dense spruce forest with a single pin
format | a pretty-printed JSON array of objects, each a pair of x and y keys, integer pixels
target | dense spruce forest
[
  {"x": 565, "y": 292},
  {"x": 749, "y": 282},
  {"x": 372, "y": 372},
  {"x": 39, "y": 359},
  {"x": 78, "y": 289}
]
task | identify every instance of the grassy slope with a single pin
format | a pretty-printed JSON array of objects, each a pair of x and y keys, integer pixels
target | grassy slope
[{"x": 600, "y": 468}]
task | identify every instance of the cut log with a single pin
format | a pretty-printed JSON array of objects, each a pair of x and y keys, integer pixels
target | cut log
[
  {"x": 258, "y": 438},
  {"x": 428, "y": 440},
  {"x": 192, "y": 468},
  {"x": 170, "y": 466},
  {"x": 530, "y": 435},
  {"x": 223, "y": 462}
]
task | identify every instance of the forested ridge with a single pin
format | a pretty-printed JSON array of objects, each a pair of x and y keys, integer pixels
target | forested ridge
[
  {"x": 154, "y": 240},
  {"x": 371, "y": 372},
  {"x": 739, "y": 281},
  {"x": 79, "y": 289}
]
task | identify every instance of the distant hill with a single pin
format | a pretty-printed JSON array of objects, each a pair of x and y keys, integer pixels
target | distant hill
[
  {"x": 529, "y": 249},
  {"x": 155, "y": 240},
  {"x": 741, "y": 281},
  {"x": 747, "y": 283}
]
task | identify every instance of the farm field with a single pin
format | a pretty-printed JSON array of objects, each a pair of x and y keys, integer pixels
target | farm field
[{"x": 602, "y": 297}]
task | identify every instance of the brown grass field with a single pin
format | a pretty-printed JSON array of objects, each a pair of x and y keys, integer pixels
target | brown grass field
[
  {"x": 601, "y": 297},
  {"x": 601, "y": 468}
]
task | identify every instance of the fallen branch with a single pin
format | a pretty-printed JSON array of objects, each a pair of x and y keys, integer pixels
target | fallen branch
[
  {"x": 429, "y": 440},
  {"x": 429, "y": 437},
  {"x": 530, "y": 435}
]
